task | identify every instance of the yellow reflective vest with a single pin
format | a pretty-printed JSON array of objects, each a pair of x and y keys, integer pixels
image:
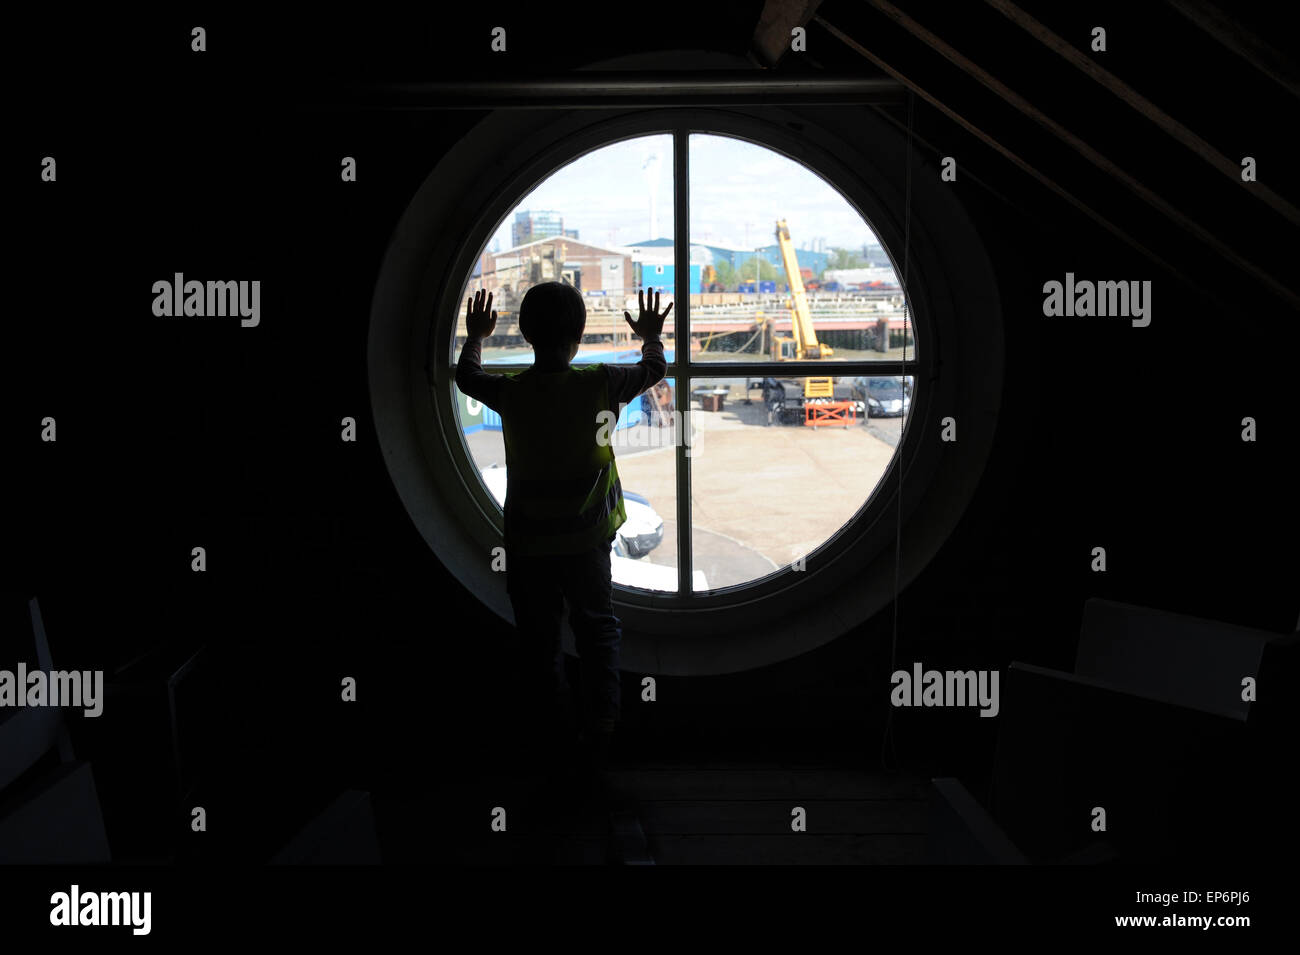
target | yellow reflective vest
[{"x": 563, "y": 494}]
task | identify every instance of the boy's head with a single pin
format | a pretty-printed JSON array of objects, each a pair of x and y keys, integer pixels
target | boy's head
[{"x": 552, "y": 316}]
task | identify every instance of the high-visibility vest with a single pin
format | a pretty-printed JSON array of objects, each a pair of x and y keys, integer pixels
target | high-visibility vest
[{"x": 563, "y": 495}]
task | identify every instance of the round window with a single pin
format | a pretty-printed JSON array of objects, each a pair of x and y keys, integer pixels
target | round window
[
  {"x": 812, "y": 444},
  {"x": 789, "y": 395}
]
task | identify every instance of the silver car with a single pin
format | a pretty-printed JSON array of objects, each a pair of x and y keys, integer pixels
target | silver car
[{"x": 883, "y": 397}]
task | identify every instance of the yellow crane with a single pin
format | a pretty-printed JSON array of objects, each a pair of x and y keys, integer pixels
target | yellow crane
[{"x": 804, "y": 344}]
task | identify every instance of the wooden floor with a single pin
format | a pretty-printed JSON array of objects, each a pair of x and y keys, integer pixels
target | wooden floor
[{"x": 665, "y": 813}]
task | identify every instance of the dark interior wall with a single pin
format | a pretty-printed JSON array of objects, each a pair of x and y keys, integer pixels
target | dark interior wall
[{"x": 176, "y": 434}]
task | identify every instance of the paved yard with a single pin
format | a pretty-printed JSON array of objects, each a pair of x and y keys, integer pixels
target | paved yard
[{"x": 763, "y": 494}]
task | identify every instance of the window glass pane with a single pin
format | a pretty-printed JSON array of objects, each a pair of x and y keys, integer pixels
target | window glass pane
[
  {"x": 763, "y": 228},
  {"x": 604, "y": 224},
  {"x": 644, "y": 554},
  {"x": 778, "y": 465}
]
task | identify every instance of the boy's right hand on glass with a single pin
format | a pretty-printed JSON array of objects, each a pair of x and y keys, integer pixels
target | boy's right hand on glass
[
  {"x": 480, "y": 320},
  {"x": 650, "y": 324}
]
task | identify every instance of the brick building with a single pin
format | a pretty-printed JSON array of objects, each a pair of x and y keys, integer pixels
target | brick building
[{"x": 592, "y": 269}]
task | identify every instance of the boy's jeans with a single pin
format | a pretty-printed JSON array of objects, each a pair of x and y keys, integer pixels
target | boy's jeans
[{"x": 538, "y": 587}]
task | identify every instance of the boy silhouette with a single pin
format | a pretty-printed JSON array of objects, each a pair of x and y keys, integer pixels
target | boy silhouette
[{"x": 564, "y": 502}]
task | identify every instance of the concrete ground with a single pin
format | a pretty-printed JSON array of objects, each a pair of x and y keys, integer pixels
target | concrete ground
[{"x": 762, "y": 494}]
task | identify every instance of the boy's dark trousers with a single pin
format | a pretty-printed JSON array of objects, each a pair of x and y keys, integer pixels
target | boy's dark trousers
[{"x": 538, "y": 587}]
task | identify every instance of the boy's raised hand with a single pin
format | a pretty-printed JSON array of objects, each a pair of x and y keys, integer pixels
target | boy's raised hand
[
  {"x": 480, "y": 320},
  {"x": 650, "y": 324}
]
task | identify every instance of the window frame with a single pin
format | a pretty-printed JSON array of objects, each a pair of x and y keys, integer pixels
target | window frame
[
  {"x": 683, "y": 371},
  {"x": 846, "y": 579}
]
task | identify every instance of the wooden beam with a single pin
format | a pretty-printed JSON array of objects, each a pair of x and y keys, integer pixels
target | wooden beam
[
  {"x": 603, "y": 90},
  {"x": 938, "y": 154},
  {"x": 1242, "y": 42},
  {"x": 1087, "y": 152},
  {"x": 779, "y": 17},
  {"x": 993, "y": 144},
  {"x": 1229, "y": 167},
  {"x": 996, "y": 146}
]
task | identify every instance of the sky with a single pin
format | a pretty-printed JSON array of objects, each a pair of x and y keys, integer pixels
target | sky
[{"x": 738, "y": 191}]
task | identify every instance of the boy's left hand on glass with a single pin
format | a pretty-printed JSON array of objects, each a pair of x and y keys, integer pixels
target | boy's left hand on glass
[{"x": 480, "y": 320}]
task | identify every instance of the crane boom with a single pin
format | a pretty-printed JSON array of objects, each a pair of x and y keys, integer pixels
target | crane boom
[
  {"x": 805, "y": 336},
  {"x": 818, "y": 404}
]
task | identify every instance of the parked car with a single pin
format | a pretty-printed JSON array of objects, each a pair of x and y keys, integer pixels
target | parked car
[
  {"x": 644, "y": 530},
  {"x": 640, "y": 534},
  {"x": 882, "y": 397}
]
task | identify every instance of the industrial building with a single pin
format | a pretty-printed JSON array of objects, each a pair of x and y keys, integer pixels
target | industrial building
[
  {"x": 587, "y": 267},
  {"x": 809, "y": 259}
]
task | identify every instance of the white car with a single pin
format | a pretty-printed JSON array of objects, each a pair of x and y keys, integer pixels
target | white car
[{"x": 641, "y": 533}]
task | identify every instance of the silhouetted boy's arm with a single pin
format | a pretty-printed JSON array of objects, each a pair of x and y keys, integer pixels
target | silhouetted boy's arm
[
  {"x": 471, "y": 379},
  {"x": 626, "y": 383}
]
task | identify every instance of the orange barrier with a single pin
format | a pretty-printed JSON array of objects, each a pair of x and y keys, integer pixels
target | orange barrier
[{"x": 830, "y": 413}]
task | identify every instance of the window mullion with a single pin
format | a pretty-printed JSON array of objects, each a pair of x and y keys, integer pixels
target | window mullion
[{"x": 682, "y": 337}]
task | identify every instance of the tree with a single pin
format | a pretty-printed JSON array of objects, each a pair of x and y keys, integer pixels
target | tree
[
  {"x": 844, "y": 259},
  {"x": 727, "y": 276},
  {"x": 766, "y": 270}
]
